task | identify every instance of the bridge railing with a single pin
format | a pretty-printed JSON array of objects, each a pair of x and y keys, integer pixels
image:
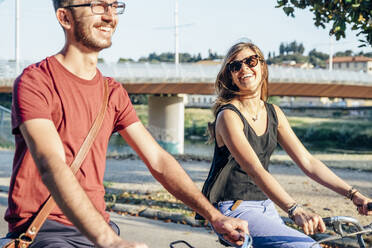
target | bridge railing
[
  {"x": 166, "y": 72},
  {"x": 6, "y": 137}
]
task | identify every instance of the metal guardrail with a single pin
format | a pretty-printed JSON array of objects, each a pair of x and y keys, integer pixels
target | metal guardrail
[
  {"x": 6, "y": 137},
  {"x": 166, "y": 72}
]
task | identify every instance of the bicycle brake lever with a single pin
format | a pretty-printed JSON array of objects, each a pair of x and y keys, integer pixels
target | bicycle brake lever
[
  {"x": 335, "y": 223},
  {"x": 337, "y": 227}
]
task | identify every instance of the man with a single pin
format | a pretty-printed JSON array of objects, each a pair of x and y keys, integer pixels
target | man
[{"x": 54, "y": 104}]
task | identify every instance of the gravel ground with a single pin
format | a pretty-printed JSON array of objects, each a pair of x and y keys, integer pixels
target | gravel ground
[
  {"x": 304, "y": 190},
  {"x": 133, "y": 175}
]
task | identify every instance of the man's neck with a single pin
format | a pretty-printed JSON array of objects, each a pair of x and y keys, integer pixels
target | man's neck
[{"x": 82, "y": 64}]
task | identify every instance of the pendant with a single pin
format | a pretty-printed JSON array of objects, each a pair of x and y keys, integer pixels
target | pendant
[{"x": 254, "y": 118}]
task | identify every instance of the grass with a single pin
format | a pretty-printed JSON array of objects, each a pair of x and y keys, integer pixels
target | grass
[{"x": 325, "y": 134}]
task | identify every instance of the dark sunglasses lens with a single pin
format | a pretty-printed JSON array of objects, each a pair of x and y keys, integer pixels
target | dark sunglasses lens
[
  {"x": 235, "y": 66},
  {"x": 251, "y": 61}
]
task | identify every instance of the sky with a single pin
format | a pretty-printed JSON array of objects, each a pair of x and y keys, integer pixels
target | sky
[{"x": 146, "y": 27}]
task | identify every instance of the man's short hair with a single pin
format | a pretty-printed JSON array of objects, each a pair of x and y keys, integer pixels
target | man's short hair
[{"x": 60, "y": 3}]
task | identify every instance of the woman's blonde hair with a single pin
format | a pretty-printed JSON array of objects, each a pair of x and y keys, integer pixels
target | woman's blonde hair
[{"x": 225, "y": 89}]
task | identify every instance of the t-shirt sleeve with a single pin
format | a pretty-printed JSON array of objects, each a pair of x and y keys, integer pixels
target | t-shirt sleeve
[
  {"x": 126, "y": 114},
  {"x": 32, "y": 98}
]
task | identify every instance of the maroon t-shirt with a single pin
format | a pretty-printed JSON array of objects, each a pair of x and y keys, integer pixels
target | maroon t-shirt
[{"x": 48, "y": 90}]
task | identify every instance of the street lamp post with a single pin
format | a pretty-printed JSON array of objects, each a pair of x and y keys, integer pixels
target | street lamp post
[{"x": 17, "y": 36}]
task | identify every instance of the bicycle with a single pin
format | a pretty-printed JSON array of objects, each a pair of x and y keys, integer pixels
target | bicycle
[
  {"x": 344, "y": 227},
  {"x": 337, "y": 222},
  {"x": 247, "y": 243}
]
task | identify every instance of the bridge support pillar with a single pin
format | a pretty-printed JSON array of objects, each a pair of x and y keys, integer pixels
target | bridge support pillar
[{"x": 166, "y": 121}]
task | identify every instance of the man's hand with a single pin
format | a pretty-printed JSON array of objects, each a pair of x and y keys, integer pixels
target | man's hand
[{"x": 232, "y": 229}]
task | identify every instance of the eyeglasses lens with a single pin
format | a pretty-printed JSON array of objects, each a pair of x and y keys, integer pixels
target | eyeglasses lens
[{"x": 101, "y": 7}]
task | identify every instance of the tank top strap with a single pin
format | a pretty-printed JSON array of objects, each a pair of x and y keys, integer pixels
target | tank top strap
[
  {"x": 236, "y": 110},
  {"x": 272, "y": 115}
]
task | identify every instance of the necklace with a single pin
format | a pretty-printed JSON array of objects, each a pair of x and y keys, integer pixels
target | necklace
[{"x": 258, "y": 111}]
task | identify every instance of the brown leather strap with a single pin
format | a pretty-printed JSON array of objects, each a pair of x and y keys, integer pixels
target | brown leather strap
[
  {"x": 236, "y": 204},
  {"x": 44, "y": 212}
]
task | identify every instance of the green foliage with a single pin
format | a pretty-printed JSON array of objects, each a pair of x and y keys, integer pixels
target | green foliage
[
  {"x": 124, "y": 60},
  {"x": 357, "y": 13},
  {"x": 138, "y": 99},
  {"x": 274, "y": 100},
  {"x": 318, "y": 59},
  {"x": 292, "y": 47},
  {"x": 316, "y": 133},
  {"x": 345, "y": 53},
  {"x": 6, "y": 100},
  {"x": 168, "y": 57},
  {"x": 142, "y": 113},
  {"x": 333, "y": 133},
  {"x": 213, "y": 55},
  {"x": 298, "y": 58},
  {"x": 196, "y": 122}
]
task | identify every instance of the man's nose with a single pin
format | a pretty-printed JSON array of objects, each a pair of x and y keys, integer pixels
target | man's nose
[{"x": 109, "y": 13}]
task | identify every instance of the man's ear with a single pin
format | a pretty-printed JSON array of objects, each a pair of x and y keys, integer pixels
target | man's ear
[{"x": 64, "y": 17}]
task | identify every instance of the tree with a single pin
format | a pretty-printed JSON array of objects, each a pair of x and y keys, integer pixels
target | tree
[
  {"x": 292, "y": 47},
  {"x": 281, "y": 49},
  {"x": 347, "y": 53},
  {"x": 318, "y": 59},
  {"x": 357, "y": 13}
]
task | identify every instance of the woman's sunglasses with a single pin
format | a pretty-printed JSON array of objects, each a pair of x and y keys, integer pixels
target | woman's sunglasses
[{"x": 250, "y": 61}]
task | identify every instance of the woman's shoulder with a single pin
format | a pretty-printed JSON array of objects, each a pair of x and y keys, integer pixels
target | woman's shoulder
[
  {"x": 229, "y": 110},
  {"x": 228, "y": 113}
]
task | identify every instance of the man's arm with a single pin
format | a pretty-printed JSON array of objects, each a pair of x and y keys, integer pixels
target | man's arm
[
  {"x": 46, "y": 148},
  {"x": 172, "y": 176}
]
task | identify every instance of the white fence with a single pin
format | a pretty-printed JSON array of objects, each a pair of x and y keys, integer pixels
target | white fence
[{"x": 166, "y": 72}]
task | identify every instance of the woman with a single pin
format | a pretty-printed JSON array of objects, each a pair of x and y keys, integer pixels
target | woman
[{"x": 246, "y": 132}]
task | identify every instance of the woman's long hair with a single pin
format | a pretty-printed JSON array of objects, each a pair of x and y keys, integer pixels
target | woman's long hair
[{"x": 225, "y": 89}]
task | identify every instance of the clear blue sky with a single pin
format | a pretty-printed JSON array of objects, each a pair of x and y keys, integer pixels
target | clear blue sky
[{"x": 215, "y": 24}]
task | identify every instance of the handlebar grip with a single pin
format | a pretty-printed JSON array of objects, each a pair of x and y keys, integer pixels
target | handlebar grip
[
  {"x": 369, "y": 206},
  {"x": 327, "y": 221},
  {"x": 247, "y": 241}
]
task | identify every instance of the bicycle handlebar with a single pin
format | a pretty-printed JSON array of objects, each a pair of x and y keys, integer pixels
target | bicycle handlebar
[{"x": 337, "y": 221}]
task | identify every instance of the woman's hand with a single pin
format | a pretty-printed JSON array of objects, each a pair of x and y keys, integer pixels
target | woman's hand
[
  {"x": 360, "y": 201},
  {"x": 309, "y": 222}
]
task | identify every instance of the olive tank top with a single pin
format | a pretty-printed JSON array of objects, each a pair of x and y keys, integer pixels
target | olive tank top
[{"x": 226, "y": 179}]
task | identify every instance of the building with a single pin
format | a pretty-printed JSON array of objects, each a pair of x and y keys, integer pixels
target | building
[{"x": 352, "y": 63}]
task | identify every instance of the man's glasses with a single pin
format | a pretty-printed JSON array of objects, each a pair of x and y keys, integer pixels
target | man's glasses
[
  {"x": 100, "y": 8},
  {"x": 250, "y": 61}
]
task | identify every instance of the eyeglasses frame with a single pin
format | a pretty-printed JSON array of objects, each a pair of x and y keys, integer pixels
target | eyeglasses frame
[{"x": 91, "y": 5}]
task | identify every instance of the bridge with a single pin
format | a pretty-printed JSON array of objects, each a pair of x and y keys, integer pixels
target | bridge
[{"x": 167, "y": 83}]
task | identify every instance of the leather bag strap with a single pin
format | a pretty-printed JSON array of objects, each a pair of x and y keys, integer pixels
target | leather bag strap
[{"x": 44, "y": 212}]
